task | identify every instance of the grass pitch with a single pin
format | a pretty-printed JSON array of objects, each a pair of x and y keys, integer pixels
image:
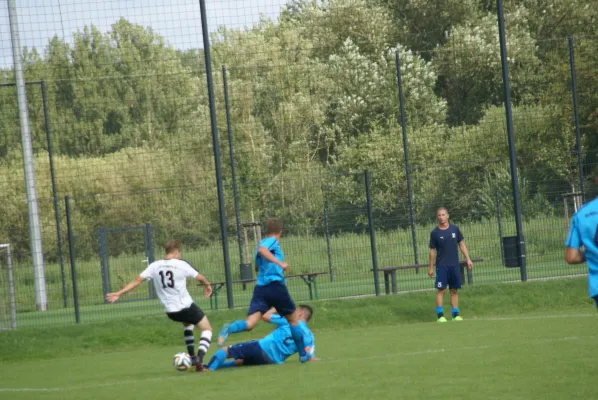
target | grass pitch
[{"x": 519, "y": 341}]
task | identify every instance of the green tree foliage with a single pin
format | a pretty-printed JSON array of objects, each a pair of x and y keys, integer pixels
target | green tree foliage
[
  {"x": 423, "y": 25},
  {"x": 469, "y": 65}
]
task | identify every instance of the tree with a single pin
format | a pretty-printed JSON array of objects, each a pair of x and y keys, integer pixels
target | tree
[
  {"x": 423, "y": 25},
  {"x": 469, "y": 65},
  {"x": 367, "y": 94},
  {"x": 328, "y": 24}
]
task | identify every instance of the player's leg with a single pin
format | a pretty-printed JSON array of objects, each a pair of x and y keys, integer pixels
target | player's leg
[
  {"x": 247, "y": 353},
  {"x": 204, "y": 341},
  {"x": 297, "y": 334},
  {"x": 189, "y": 339},
  {"x": 455, "y": 305},
  {"x": 257, "y": 308},
  {"x": 454, "y": 283},
  {"x": 189, "y": 317},
  {"x": 440, "y": 284},
  {"x": 219, "y": 360},
  {"x": 280, "y": 298}
]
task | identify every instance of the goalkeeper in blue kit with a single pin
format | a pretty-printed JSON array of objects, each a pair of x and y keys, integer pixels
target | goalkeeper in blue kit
[{"x": 275, "y": 348}]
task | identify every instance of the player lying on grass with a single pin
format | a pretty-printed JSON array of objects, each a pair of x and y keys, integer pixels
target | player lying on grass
[
  {"x": 170, "y": 275},
  {"x": 274, "y": 348}
]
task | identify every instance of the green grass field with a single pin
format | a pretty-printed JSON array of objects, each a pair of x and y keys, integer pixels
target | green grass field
[{"x": 519, "y": 341}]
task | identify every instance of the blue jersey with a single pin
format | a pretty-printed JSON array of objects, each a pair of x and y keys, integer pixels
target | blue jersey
[
  {"x": 446, "y": 241},
  {"x": 279, "y": 345},
  {"x": 269, "y": 272},
  {"x": 583, "y": 232}
]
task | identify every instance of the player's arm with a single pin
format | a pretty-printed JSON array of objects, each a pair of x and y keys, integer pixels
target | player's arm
[
  {"x": 574, "y": 256},
  {"x": 574, "y": 250},
  {"x": 464, "y": 251},
  {"x": 310, "y": 347},
  {"x": 206, "y": 284},
  {"x": 112, "y": 297},
  {"x": 431, "y": 260},
  {"x": 264, "y": 252}
]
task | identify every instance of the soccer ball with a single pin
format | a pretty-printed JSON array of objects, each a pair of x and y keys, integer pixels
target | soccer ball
[{"x": 181, "y": 361}]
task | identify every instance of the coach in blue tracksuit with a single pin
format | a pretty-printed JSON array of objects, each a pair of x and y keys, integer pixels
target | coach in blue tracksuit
[{"x": 444, "y": 241}]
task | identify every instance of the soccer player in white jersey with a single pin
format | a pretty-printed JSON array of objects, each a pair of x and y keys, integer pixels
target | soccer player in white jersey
[{"x": 170, "y": 280}]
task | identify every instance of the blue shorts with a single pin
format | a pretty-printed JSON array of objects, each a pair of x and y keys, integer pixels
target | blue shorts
[
  {"x": 250, "y": 352},
  {"x": 274, "y": 294},
  {"x": 450, "y": 276}
]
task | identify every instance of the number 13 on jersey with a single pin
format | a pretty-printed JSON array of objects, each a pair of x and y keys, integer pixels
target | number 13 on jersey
[{"x": 167, "y": 279}]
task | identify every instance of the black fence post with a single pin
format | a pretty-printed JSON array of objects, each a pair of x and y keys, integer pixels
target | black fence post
[
  {"x": 54, "y": 191},
  {"x": 576, "y": 119},
  {"x": 407, "y": 168},
  {"x": 69, "y": 227},
  {"x": 232, "y": 165},
  {"x": 368, "y": 193},
  {"x": 213, "y": 122},
  {"x": 512, "y": 152}
]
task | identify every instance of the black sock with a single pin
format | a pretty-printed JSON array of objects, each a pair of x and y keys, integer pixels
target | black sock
[{"x": 190, "y": 342}]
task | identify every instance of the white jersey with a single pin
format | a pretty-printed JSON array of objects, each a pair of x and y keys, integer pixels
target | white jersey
[{"x": 170, "y": 281}]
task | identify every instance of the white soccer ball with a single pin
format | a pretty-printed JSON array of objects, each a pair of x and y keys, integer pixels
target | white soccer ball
[{"x": 182, "y": 361}]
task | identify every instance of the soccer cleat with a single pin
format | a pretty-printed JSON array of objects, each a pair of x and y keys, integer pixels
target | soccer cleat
[
  {"x": 458, "y": 318},
  {"x": 223, "y": 335},
  {"x": 441, "y": 319},
  {"x": 304, "y": 359},
  {"x": 198, "y": 362},
  {"x": 199, "y": 367}
]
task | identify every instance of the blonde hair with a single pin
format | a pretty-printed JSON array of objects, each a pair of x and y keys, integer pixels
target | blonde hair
[{"x": 172, "y": 245}]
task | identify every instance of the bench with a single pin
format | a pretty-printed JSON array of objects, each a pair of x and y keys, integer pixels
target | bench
[
  {"x": 309, "y": 278},
  {"x": 390, "y": 273}
]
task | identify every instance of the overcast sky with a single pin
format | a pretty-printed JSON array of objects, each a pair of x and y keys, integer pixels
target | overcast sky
[{"x": 177, "y": 20}]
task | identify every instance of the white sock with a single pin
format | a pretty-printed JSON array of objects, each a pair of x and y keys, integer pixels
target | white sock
[{"x": 204, "y": 342}]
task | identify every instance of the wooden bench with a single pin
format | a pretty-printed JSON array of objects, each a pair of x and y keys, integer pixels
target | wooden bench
[
  {"x": 390, "y": 273},
  {"x": 309, "y": 278}
]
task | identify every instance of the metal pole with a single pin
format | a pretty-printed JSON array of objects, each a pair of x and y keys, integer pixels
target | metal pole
[
  {"x": 35, "y": 235},
  {"x": 576, "y": 119},
  {"x": 232, "y": 164},
  {"x": 54, "y": 191},
  {"x": 69, "y": 228},
  {"x": 512, "y": 154},
  {"x": 502, "y": 251},
  {"x": 368, "y": 193},
  {"x": 328, "y": 245},
  {"x": 213, "y": 122},
  {"x": 11, "y": 289},
  {"x": 406, "y": 153}
]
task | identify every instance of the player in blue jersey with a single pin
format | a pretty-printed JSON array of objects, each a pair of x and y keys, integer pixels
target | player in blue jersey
[
  {"x": 582, "y": 242},
  {"x": 445, "y": 240},
  {"x": 275, "y": 348},
  {"x": 270, "y": 290}
]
